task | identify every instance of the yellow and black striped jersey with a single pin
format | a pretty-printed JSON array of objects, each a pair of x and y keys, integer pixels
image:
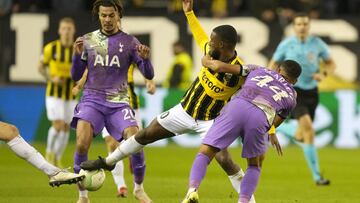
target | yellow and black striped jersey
[
  {"x": 134, "y": 99},
  {"x": 210, "y": 91},
  {"x": 58, "y": 59}
]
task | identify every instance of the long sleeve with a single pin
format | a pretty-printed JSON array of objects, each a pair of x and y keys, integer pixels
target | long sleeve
[
  {"x": 78, "y": 67},
  {"x": 144, "y": 66},
  {"x": 198, "y": 32}
]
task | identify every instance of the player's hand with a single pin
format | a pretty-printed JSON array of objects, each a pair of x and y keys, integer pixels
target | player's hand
[
  {"x": 57, "y": 80},
  {"x": 318, "y": 77},
  {"x": 143, "y": 50},
  {"x": 79, "y": 45},
  {"x": 188, "y": 5},
  {"x": 208, "y": 62},
  {"x": 275, "y": 143},
  {"x": 76, "y": 90},
  {"x": 150, "y": 86}
]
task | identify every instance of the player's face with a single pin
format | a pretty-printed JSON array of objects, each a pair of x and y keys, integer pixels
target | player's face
[
  {"x": 215, "y": 45},
  {"x": 302, "y": 26},
  {"x": 282, "y": 72},
  {"x": 66, "y": 30},
  {"x": 109, "y": 18}
]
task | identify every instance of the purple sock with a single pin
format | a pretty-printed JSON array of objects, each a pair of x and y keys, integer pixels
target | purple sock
[
  {"x": 78, "y": 159},
  {"x": 198, "y": 170},
  {"x": 138, "y": 166},
  {"x": 249, "y": 183}
]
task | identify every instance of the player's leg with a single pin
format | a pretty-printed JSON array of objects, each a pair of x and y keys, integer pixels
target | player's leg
[
  {"x": 198, "y": 171},
  {"x": 251, "y": 178},
  {"x": 118, "y": 171},
  {"x": 55, "y": 114},
  {"x": 60, "y": 140},
  {"x": 20, "y": 147}
]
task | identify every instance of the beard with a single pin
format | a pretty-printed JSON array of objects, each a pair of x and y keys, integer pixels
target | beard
[{"x": 215, "y": 54}]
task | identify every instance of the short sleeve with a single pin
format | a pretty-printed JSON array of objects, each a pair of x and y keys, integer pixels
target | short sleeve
[
  {"x": 46, "y": 55},
  {"x": 280, "y": 51},
  {"x": 324, "y": 52}
]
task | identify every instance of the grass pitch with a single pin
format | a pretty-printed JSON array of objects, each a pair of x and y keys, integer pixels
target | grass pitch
[{"x": 283, "y": 180}]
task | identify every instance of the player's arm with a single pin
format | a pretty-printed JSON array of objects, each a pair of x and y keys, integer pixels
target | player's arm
[
  {"x": 273, "y": 64},
  {"x": 221, "y": 67},
  {"x": 142, "y": 59},
  {"x": 329, "y": 64},
  {"x": 80, "y": 84},
  {"x": 197, "y": 31},
  {"x": 79, "y": 62},
  {"x": 273, "y": 138},
  {"x": 44, "y": 62}
]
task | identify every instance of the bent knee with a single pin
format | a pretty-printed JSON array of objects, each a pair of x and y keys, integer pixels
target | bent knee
[{"x": 9, "y": 132}]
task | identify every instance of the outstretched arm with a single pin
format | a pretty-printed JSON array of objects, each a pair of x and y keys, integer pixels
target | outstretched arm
[
  {"x": 197, "y": 31},
  {"x": 141, "y": 58},
  {"x": 219, "y": 66}
]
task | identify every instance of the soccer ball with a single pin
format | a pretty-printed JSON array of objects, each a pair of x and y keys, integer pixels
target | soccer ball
[{"x": 93, "y": 179}]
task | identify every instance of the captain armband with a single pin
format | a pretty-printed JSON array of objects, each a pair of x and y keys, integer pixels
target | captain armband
[
  {"x": 272, "y": 130},
  {"x": 244, "y": 70}
]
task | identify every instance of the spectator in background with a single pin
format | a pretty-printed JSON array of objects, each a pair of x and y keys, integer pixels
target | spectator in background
[
  {"x": 175, "y": 6},
  {"x": 30, "y": 5},
  {"x": 264, "y": 9},
  {"x": 5, "y": 7},
  {"x": 179, "y": 74},
  {"x": 288, "y": 8},
  {"x": 68, "y": 5},
  {"x": 219, "y": 8},
  {"x": 202, "y": 7}
]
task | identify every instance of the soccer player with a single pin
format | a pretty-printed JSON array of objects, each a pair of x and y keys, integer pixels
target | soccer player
[
  {"x": 200, "y": 105},
  {"x": 265, "y": 99},
  {"x": 111, "y": 143},
  {"x": 10, "y": 135},
  {"x": 55, "y": 66},
  {"x": 308, "y": 50},
  {"x": 107, "y": 54}
]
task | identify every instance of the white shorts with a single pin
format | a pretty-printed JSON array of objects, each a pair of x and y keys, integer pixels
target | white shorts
[
  {"x": 58, "y": 109},
  {"x": 105, "y": 133},
  {"x": 177, "y": 121}
]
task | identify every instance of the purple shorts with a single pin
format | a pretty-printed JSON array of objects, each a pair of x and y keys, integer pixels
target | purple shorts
[
  {"x": 116, "y": 120},
  {"x": 240, "y": 118}
]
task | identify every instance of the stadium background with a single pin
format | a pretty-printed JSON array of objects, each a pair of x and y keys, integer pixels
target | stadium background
[{"x": 23, "y": 34}]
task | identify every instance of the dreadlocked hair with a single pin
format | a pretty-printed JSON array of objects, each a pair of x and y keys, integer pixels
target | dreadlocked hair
[{"x": 107, "y": 3}]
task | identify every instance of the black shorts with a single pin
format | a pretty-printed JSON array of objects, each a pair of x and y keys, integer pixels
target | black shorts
[{"x": 307, "y": 101}]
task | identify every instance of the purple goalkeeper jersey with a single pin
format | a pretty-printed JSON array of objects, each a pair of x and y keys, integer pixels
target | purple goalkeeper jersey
[
  {"x": 268, "y": 90},
  {"x": 108, "y": 58}
]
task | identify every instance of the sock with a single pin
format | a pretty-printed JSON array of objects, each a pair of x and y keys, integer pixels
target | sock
[
  {"x": 78, "y": 159},
  {"x": 83, "y": 193},
  {"x": 118, "y": 174},
  {"x": 249, "y": 183},
  {"x": 138, "y": 166},
  {"x": 60, "y": 144},
  {"x": 128, "y": 147},
  {"x": 52, "y": 136},
  {"x": 236, "y": 180},
  {"x": 288, "y": 128},
  {"x": 312, "y": 160},
  {"x": 198, "y": 170},
  {"x": 30, "y": 154}
]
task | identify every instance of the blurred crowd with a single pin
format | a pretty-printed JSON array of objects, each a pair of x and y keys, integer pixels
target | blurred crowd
[{"x": 267, "y": 10}]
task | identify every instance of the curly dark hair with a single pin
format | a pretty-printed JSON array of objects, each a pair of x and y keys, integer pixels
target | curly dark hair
[{"x": 108, "y": 3}]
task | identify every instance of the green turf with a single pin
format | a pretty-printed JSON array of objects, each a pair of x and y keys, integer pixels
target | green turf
[{"x": 285, "y": 179}]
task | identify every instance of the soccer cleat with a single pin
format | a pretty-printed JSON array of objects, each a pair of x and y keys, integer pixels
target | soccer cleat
[
  {"x": 141, "y": 195},
  {"x": 323, "y": 182},
  {"x": 65, "y": 177},
  {"x": 191, "y": 197},
  {"x": 97, "y": 164},
  {"x": 123, "y": 192},
  {"x": 83, "y": 200}
]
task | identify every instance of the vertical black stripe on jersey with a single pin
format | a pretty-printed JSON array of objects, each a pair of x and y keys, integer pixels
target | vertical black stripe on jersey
[
  {"x": 62, "y": 53},
  {"x": 71, "y": 50},
  {"x": 205, "y": 103},
  {"x": 235, "y": 79},
  {"x": 52, "y": 87},
  {"x": 194, "y": 99},
  {"x": 59, "y": 91},
  {"x": 185, "y": 100},
  {"x": 215, "y": 110},
  {"x": 221, "y": 77},
  {"x": 53, "y": 51},
  {"x": 134, "y": 104},
  {"x": 67, "y": 91}
]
